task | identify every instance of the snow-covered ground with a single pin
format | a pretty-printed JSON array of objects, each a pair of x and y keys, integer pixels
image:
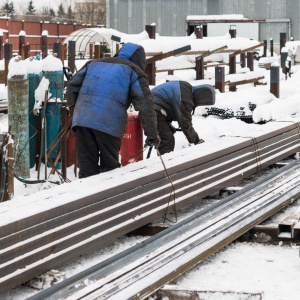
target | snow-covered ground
[{"x": 241, "y": 267}]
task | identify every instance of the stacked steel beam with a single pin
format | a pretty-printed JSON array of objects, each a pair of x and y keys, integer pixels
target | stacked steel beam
[{"x": 36, "y": 242}]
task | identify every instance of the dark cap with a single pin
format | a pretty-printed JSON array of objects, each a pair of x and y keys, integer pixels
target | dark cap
[{"x": 204, "y": 95}]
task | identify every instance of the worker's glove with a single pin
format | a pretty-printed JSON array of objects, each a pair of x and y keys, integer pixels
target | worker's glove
[
  {"x": 152, "y": 142},
  {"x": 198, "y": 141},
  {"x": 173, "y": 129}
]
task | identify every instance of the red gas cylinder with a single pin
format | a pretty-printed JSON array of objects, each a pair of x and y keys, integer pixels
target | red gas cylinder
[
  {"x": 132, "y": 142},
  {"x": 71, "y": 149}
]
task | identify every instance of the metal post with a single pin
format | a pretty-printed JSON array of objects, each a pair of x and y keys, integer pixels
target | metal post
[
  {"x": 265, "y": 48},
  {"x": 91, "y": 48},
  {"x": 232, "y": 31},
  {"x": 64, "y": 153},
  {"x": 58, "y": 50},
  {"x": 250, "y": 61},
  {"x": 150, "y": 70},
  {"x": 274, "y": 81},
  {"x": 243, "y": 60},
  {"x": 71, "y": 56},
  {"x": 97, "y": 51},
  {"x": 272, "y": 47},
  {"x": 220, "y": 79},
  {"x": 232, "y": 70},
  {"x": 282, "y": 40},
  {"x": 199, "y": 32},
  {"x": 283, "y": 57},
  {"x": 44, "y": 44},
  {"x": 199, "y": 68},
  {"x": 7, "y": 57},
  {"x": 21, "y": 42}
]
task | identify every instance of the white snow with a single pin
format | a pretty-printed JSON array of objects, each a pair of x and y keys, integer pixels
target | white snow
[{"x": 272, "y": 270}]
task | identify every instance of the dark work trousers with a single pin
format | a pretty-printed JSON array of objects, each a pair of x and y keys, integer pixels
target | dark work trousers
[
  {"x": 167, "y": 143},
  {"x": 96, "y": 151}
]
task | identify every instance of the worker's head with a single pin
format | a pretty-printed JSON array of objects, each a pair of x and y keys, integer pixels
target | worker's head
[
  {"x": 135, "y": 53},
  {"x": 204, "y": 94}
]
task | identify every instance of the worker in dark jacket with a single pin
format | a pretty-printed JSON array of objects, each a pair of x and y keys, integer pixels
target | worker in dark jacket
[
  {"x": 98, "y": 97},
  {"x": 176, "y": 101}
]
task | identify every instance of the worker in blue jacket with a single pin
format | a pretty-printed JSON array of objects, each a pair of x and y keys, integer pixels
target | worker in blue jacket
[
  {"x": 176, "y": 101},
  {"x": 98, "y": 97}
]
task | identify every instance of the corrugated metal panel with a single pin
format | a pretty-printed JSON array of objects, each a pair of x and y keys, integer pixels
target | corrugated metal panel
[
  {"x": 170, "y": 15},
  {"x": 247, "y": 30}
]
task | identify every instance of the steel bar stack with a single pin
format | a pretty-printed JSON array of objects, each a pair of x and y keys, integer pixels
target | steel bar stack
[{"x": 42, "y": 239}]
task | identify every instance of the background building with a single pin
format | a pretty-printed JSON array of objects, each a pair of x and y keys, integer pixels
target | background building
[{"x": 170, "y": 16}]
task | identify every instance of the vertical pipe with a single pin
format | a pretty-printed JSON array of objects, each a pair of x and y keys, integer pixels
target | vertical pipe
[
  {"x": 274, "y": 81},
  {"x": 199, "y": 32},
  {"x": 64, "y": 146},
  {"x": 220, "y": 79},
  {"x": 91, "y": 49},
  {"x": 199, "y": 68},
  {"x": 44, "y": 44},
  {"x": 232, "y": 70},
  {"x": 17, "y": 89},
  {"x": 71, "y": 55},
  {"x": 26, "y": 51},
  {"x": 150, "y": 70},
  {"x": 250, "y": 61}
]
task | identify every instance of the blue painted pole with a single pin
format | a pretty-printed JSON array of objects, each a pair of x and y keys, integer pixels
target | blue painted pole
[
  {"x": 33, "y": 81},
  {"x": 53, "y": 110}
]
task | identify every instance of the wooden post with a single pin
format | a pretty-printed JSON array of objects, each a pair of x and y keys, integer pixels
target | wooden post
[
  {"x": 282, "y": 40},
  {"x": 97, "y": 51},
  {"x": 44, "y": 44},
  {"x": 243, "y": 60},
  {"x": 21, "y": 42},
  {"x": 250, "y": 61},
  {"x": 199, "y": 68},
  {"x": 220, "y": 79},
  {"x": 274, "y": 81},
  {"x": 7, "y": 57},
  {"x": 150, "y": 70},
  {"x": 71, "y": 55},
  {"x": 199, "y": 32}
]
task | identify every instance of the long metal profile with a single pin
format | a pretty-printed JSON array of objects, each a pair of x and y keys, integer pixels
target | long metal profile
[
  {"x": 32, "y": 245},
  {"x": 139, "y": 271}
]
